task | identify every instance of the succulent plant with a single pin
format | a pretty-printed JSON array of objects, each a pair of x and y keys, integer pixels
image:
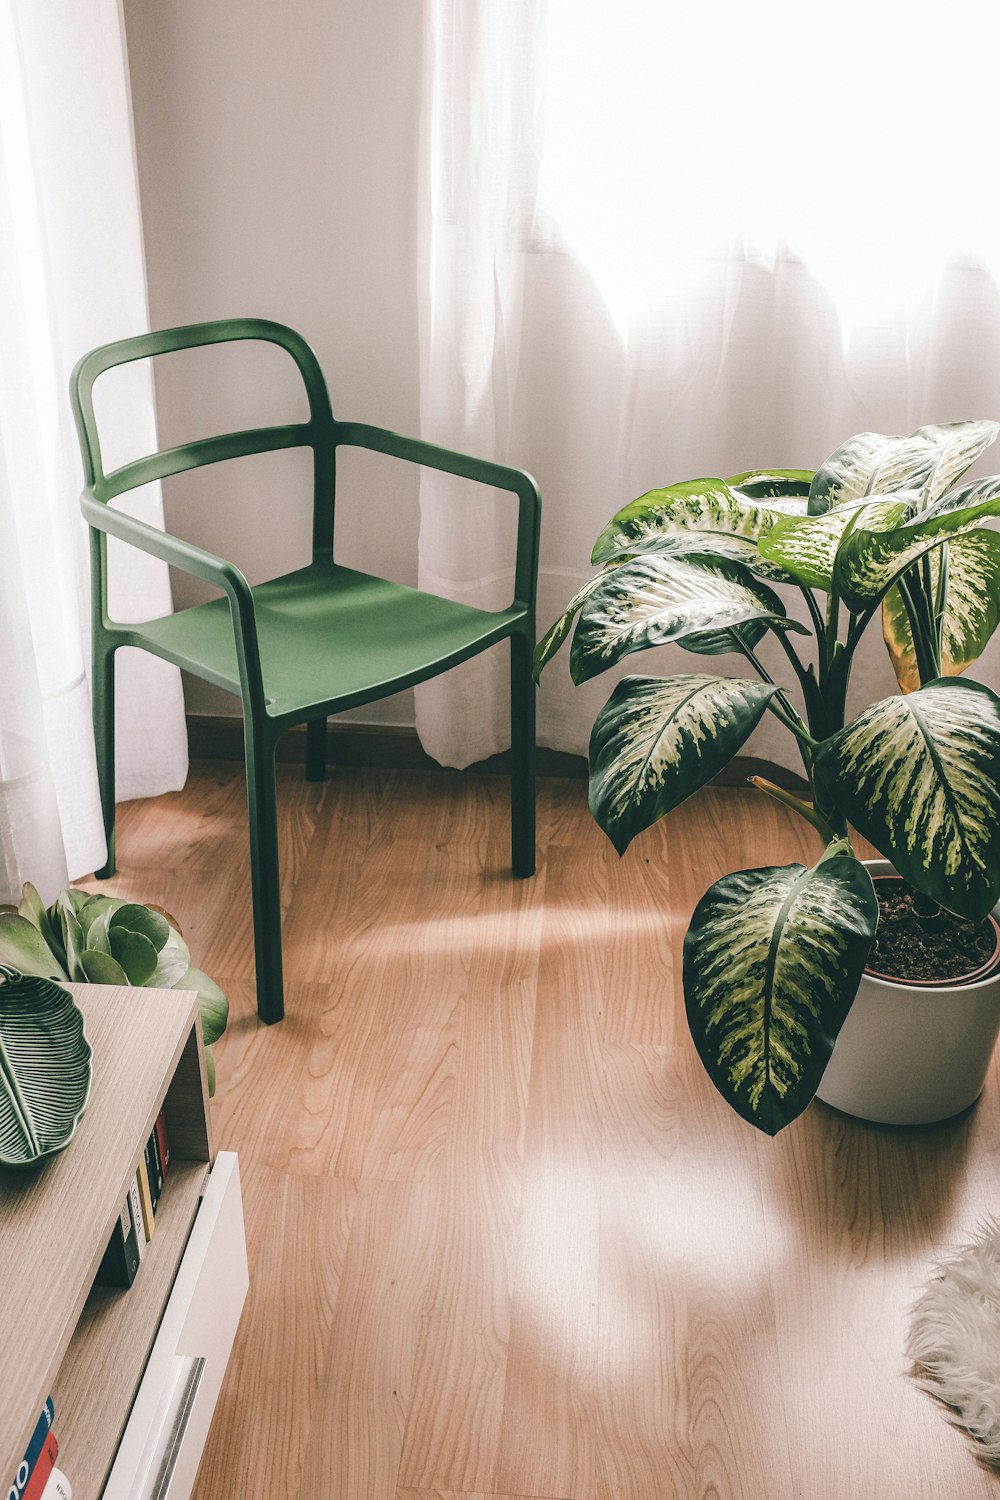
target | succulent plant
[{"x": 98, "y": 939}]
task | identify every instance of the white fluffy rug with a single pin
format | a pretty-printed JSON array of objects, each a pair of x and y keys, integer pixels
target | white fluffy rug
[{"x": 954, "y": 1337}]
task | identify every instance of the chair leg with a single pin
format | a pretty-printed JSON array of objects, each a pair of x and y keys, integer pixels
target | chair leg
[
  {"x": 264, "y": 877},
  {"x": 103, "y": 707},
  {"x": 522, "y": 753},
  {"x": 316, "y": 750}
]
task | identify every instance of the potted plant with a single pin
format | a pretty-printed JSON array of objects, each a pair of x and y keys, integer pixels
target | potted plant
[
  {"x": 98, "y": 939},
  {"x": 884, "y": 529}
]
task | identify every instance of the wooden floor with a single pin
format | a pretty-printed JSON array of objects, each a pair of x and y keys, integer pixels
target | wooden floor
[{"x": 505, "y": 1240}]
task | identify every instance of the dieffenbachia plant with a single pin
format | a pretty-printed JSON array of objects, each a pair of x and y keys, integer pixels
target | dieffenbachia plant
[
  {"x": 773, "y": 957},
  {"x": 97, "y": 939}
]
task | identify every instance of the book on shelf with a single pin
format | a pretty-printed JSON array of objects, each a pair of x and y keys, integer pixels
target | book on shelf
[
  {"x": 44, "y": 1465},
  {"x": 154, "y": 1168},
  {"x": 163, "y": 1141},
  {"x": 58, "y": 1487},
  {"x": 145, "y": 1198},
  {"x": 121, "y": 1258},
  {"x": 134, "y": 1226},
  {"x": 135, "y": 1205},
  {"x": 34, "y": 1448}
]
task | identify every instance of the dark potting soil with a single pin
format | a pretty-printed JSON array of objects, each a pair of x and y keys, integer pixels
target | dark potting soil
[{"x": 922, "y": 949}]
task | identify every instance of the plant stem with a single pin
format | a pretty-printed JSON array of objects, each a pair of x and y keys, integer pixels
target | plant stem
[
  {"x": 785, "y": 712},
  {"x": 798, "y": 728},
  {"x": 922, "y": 630},
  {"x": 819, "y": 625},
  {"x": 797, "y": 804},
  {"x": 859, "y": 624},
  {"x": 941, "y": 599},
  {"x": 793, "y": 657}
]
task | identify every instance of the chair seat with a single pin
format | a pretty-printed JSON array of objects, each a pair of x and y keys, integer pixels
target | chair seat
[{"x": 328, "y": 636}]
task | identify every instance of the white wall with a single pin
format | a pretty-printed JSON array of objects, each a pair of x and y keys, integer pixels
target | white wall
[{"x": 277, "y": 154}]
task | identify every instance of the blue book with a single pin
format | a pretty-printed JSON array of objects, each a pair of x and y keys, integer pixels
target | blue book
[{"x": 32, "y": 1451}]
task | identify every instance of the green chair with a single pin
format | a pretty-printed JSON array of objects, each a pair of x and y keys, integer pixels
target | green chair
[{"x": 311, "y": 643}]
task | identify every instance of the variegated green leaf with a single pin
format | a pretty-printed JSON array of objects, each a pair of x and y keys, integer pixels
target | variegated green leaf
[
  {"x": 971, "y": 611},
  {"x": 772, "y": 961},
  {"x": 917, "y": 775},
  {"x": 658, "y": 739},
  {"x": 874, "y": 463},
  {"x": 807, "y": 548},
  {"x": 977, "y": 499},
  {"x": 557, "y": 633},
  {"x": 652, "y": 600},
  {"x": 869, "y": 562},
  {"x": 698, "y": 505},
  {"x": 710, "y": 544},
  {"x": 785, "y": 490}
]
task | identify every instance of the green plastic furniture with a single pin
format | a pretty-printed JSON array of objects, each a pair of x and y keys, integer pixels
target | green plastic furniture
[{"x": 311, "y": 643}]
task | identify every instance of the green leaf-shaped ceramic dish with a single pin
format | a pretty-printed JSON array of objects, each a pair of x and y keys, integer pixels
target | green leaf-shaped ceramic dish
[{"x": 45, "y": 1064}]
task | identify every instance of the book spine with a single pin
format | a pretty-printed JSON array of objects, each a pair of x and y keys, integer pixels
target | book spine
[
  {"x": 163, "y": 1141},
  {"x": 135, "y": 1206},
  {"x": 43, "y": 1468},
  {"x": 32, "y": 1451},
  {"x": 154, "y": 1169},
  {"x": 145, "y": 1199},
  {"x": 121, "y": 1258},
  {"x": 58, "y": 1487}
]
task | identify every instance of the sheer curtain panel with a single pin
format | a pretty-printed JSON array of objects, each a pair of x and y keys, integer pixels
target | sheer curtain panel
[
  {"x": 662, "y": 242},
  {"x": 71, "y": 276}
]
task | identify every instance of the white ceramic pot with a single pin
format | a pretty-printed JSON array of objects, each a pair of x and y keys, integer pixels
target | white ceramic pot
[{"x": 912, "y": 1054}]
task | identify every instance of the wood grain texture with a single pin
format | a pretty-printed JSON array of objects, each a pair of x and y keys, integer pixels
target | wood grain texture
[
  {"x": 297, "y": 1234},
  {"x": 106, "y": 1358},
  {"x": 55, "y": 1221},
  {"x": 507, "y": 1243}
]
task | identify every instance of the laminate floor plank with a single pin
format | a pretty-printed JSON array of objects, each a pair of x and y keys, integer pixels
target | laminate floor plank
[
  {"x": 454, "y": 1429},
  {"x": 690, "y": 1399},
  {"x": 854, "y": 1214},
  {"x": 356, "y": 1436},
  {"x": 506, "y": 1241},
  {"x": 549, "y": 1438},
  {"x": 297, "y": 1237},
  {"x": 408, "y": 1493}
]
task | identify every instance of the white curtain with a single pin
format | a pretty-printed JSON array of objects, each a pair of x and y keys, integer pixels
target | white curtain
[
  {"x": 71, "y": 277},
  {"x": 662, "y": 242}
]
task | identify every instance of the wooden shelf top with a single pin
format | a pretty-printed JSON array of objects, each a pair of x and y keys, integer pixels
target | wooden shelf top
[{"x": 55, "y": 1219}]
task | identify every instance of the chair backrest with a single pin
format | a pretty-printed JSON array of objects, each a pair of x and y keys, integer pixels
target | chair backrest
[{"x": 317, "y": 433}]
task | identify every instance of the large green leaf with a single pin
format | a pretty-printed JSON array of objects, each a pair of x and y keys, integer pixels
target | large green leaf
[
  {"x": 32, "y": 907},
  {"x": 971, "y": 610},
  {"x": 557, "y": 632},
  {"x": 918, "y": 776},
  {"x": 807, "y": 548},
  {"x": 139, "y": 919},
  {"x": 874, "y": 463},
  {"x": 22, "y": 947},
  {"x": 869, "y": 562},
  {"x": 652, "y": 600},
  {"x": 772, "y": 961},
  {"x": 212, "y": 1001},
  {"x": 172, "y": 963},
  {"x": 101, "y": 968},
  {"x": 784, "y": 489},
  {"x": 658, "y": 739},
  {"x": 698, "y": 505},
  {"x": 134, "y": 952}
]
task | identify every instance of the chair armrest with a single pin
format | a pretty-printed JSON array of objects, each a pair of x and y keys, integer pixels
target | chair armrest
[
  {"x": 200, "y": 564},
  {"x": 481, "y": 471},
  {"x": 169, "y": 549}
]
